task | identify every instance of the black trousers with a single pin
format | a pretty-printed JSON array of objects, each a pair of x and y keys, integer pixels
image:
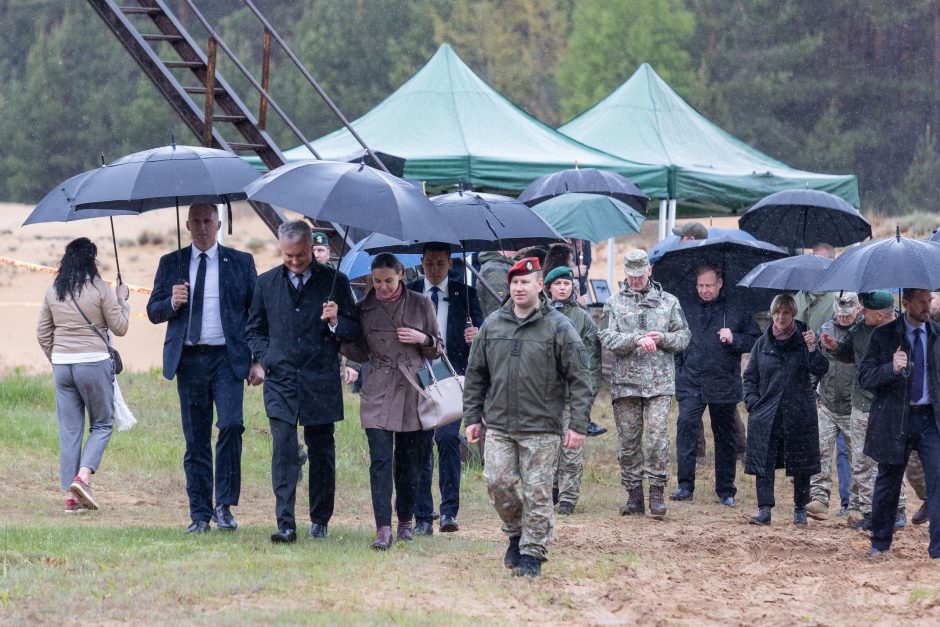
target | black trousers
[
  {"x": 690, "y": 429},
  {"x": 395, "y": 456},
  {"x": 321, "y": 456},
  {"x": 765, "y": 482},
  {"x": 205, "y": 379}
]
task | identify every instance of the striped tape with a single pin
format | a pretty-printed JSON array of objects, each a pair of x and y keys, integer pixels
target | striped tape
[{"x": 35, "y": 267}]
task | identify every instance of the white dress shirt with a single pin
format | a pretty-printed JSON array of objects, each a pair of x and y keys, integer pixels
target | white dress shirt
[
  {"x": 442, "y": 305},
  {"x": 212, "y": 333}
]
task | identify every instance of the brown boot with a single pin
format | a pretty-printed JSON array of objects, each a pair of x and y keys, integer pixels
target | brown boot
[
  {"x": 657, "y": 505},
  {"x": 405, "y": 532},
  {"x": 383, "y": 538},
  {"x": 634, "y": 504}
]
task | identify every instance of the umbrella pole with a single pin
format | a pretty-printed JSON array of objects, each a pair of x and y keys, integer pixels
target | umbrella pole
[
  {"x": 179, "y": 242},
  {"x": 117, "y": 261},
  {"x": 342, "y": 250},
  {"x": 463, "y": 252}
]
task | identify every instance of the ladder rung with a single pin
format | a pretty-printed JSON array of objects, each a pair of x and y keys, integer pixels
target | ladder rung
[
  {"x": 240, "y": 146},
  {"x": 141, "y": 10},
  {"x": 162, "y": 37},
  {"x": 201, "y": 90},
  {"x": 229, "y": 118},
  {"x": 189, "y": 64}
]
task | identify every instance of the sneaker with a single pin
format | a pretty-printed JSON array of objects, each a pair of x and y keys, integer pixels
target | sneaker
[
  {"x": 74, "y": 507},
  {"x": 817, "y": 510},
  {"x": 83, "y": 493}
]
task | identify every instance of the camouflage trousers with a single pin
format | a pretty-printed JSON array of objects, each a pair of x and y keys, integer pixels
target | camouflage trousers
[
  {"x": 831, "y": 425},
  {"x": 569, "y": 469},
  {"x": 518, "y": 469},
  {"x": 634, "y": 466}
]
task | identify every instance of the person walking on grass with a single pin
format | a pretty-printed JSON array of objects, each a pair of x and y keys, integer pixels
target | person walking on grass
[
  {"x": 644, "y": 327},
  {"x": 77, "y": 313},
  {"x": 525, "y": 362}
]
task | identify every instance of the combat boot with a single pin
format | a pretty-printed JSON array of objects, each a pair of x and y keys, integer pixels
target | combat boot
[
  {"x": 817, "y": 510},
  {"x": 634, "y": 504},
  {"x": 528, "y": 567},
  {"x": 512, "y": 557},
  {"x": 657, "y": 505}
]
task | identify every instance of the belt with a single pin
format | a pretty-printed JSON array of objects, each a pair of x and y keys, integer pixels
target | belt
[{"x": 203, "y": 348}]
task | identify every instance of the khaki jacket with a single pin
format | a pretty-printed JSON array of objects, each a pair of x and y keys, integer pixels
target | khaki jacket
[{"x": 61, "y": 328}]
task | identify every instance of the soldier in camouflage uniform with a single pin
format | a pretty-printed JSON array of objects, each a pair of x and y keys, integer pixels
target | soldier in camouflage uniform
[
  {"x": 494, "y": 266},
  {"x": 525, "y": 361},
  {"x": 643, "y": 327},
  {"x": 560, "y": 285}
]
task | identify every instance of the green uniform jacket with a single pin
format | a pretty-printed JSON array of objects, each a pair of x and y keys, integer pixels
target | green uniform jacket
[
  {"x": 850, "y": 350},
  {"x": 835, "y": 387},
  {"x": 494, "y": 269},
  {"x": 587, "y": 331},
  {"x": 519, "y": 369}
]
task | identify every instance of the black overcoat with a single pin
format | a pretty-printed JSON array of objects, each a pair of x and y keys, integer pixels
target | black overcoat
[
  {"x": 777, "y": 379},
  {"x": 299, "y": 353}
]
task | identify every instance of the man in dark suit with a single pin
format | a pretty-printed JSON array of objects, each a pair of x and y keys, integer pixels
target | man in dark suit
[
  {"x": 459, "y": 315},
  {"x": 203, "y": 293},
  {"x": 300, "y": 313},
  {"x": 900, "y": 368}
]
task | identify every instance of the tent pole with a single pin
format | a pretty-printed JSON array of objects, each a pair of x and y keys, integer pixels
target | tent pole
[
  {"x": 662, "y": 220},
  {"x": 610, "y": 264},
  {"x": 672, "y": 214}
]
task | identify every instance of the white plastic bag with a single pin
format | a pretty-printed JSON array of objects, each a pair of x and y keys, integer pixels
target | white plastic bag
[{"x": 122, "y": 413}]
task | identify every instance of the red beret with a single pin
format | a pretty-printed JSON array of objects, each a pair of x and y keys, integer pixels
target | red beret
[{"x": 527, "y": 265}]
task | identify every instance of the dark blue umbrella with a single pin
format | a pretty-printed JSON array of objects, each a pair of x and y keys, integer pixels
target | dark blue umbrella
[
  {"x": 357, "y": 261},
  {"x": 672, "y": 241},
  {"x": 732, "y": 256},
  {"x": 893, "y": 263},
  {"x": 800, "y": 218},
  {"x": 790, "y": 274},
  {"x": 585, "y": 181}
]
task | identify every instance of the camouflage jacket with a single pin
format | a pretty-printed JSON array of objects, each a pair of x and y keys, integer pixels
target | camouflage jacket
[
  {"x": 835, "y": 387},
  {"x": 850, "y": 350},
  {"x": 627, "y": 318},
  {"x": 521, "y": 372}
]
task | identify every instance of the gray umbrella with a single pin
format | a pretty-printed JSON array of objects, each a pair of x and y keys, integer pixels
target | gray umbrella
[
  {"x": 893, "y": 263},
  {"x": 790, "y": 274}
]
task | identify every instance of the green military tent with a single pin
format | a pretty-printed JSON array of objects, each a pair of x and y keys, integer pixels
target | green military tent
[
  {"x": 450, "y": 126},
  {"x": 645, "y": 121}
]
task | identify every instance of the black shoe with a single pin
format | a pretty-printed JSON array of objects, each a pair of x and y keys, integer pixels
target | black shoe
[
  {"x": 863, "y": 524},
  {"x": 449, "y": 524},
  {"x": 900, "y": 521},
  {"x": 920, "y": 516},
  {"x": 528, "y": 567},
  {"x": 512, "y": 557},
  {"x": 762, "y": 517},
  {"x": 727, "y": 501},
  {"x": 424, "y": 528},
  {"x": 594, "y": 429},
  {"x": 565, "y": 509},
  {"x": 198, "y": 527},
  {"x": 284, "y": 536},
  {"x": 223, "y": 519},
  {"x": 799, "y": 516},
  {"x": 318, "y": 531},
  {"x": 681, "y": 495}
]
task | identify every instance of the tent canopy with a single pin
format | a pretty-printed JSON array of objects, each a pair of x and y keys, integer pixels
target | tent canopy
[
  {"x": 450, "y": 126},
  {"x": 645, "y": 121}
]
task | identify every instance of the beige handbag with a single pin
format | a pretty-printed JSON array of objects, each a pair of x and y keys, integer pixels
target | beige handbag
[{"x": 440, "y": 402}]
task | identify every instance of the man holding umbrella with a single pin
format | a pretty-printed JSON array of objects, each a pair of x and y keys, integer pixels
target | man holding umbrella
[{"x": 206, "y": 311}]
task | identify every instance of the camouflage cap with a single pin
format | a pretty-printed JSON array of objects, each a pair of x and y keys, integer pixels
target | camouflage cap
[
  {"x": 694, "y": 230},
  {"x": 845, "y": 304},
  {"x": 320, "y": 238},
  {"x": 636, "y": 262}
]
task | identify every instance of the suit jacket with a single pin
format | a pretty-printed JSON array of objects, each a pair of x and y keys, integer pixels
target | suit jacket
[
  {"x": 457, "y": 349},
  {"x": 297, "y": 350},
  {"x": 237, "y": 277},
  {"x": 891, "y": 392}
]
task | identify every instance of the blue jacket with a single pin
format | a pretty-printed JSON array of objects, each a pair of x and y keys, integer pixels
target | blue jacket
[
  {"x": 458, "y": 351},
  {"x": 237, "y": 277}
]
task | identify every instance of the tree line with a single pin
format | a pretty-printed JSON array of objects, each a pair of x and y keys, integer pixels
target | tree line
[{"x": 837, "y": 86}]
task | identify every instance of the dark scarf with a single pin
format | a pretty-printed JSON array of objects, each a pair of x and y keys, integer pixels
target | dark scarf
[{"x": 786, "y": 334}]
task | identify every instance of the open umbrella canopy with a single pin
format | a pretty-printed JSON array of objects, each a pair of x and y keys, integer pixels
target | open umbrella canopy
[
  {"x": 790, "y": 274},
  {"x": 589, "y": 216},
  {"x": 733, "y": 257},
  {"x": 357, "y": 262},
  {"x": 165, "y": 177},
  {"x": 800, "y": 218},
  {"x": 672, "y": 241},
  {"x": 893, "y": 263},
  {"x": 586, "y": 181},
  {"x": 934, "y": 236},
  {"x": 56, "y": 206},
  {"x": 354, "y": 195}
]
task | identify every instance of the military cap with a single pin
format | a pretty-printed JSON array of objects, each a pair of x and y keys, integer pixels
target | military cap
[
  {"x": 526, "y": 265},
  {"x": 845, "y": 304},
  {"x": 320, "y": 238},
  {"x": 694, "y": 230},
  {"x": 881, "y": 299},
  {"x": 636, "y": 262},
  {"x": 561, "y": 272}
]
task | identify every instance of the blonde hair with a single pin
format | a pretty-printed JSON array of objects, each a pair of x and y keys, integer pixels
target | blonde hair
[{"x": 783, "y": 301}]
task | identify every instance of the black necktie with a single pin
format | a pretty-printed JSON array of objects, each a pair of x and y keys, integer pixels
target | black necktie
[
  {"x": 917, "y": 356},
  {"x": 199, "y": 290},
  {"x": 434, "y": 291}
]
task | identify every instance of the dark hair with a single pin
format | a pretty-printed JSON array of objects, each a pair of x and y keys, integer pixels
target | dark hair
[
  {"x": 559, "y": 255},
  {"x": 533, "y": 251},
  {"x": 77, "y": 266},
  {"x": 908, "y": 292},
  {"x": 387, "y": 260},
  {"x": 436, "y": 247}
]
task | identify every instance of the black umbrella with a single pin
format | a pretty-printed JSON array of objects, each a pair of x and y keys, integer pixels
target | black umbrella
[
  {"x": 800, "y": 218},
  {"x": 733, "y": 257},
  {"x": 394, "y": 165},
  {"x": 790, "y": 274},
  {"x": 585, "y": 181},
  {"x": 893, "y": 263}
]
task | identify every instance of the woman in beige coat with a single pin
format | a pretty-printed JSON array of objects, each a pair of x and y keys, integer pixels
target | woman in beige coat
[
  {"x": 81, "y": 364},
  {"x": 400, "y": 332}
]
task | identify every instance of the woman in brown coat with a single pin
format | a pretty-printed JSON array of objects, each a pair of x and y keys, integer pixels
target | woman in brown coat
[{"x": 400, "y": 332}]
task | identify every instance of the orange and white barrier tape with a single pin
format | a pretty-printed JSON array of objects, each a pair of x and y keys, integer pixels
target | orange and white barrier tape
[{"x": 16, "y": 263}]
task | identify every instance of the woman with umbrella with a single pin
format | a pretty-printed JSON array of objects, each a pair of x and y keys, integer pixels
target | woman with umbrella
[
  {"x": 78, "y": 311},
  {"x": 782, "y": 428}
]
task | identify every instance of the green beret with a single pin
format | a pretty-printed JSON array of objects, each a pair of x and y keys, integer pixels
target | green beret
[
  {"x": 561, "y": 272},
  {"x": 320, "y": 238},
  {"x": 882, "y": 299}
]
